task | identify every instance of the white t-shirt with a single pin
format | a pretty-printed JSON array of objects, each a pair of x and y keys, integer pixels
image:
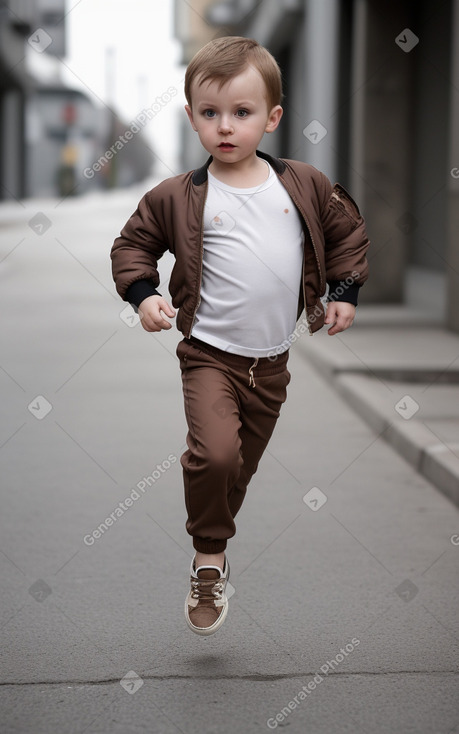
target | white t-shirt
[{"x": 252, "y": 265}]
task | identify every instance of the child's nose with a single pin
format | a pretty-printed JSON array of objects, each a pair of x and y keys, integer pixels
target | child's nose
[{"x": 225, "y": 125}]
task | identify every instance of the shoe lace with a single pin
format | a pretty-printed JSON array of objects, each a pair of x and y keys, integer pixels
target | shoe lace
[{"x": 207, "y": 589}]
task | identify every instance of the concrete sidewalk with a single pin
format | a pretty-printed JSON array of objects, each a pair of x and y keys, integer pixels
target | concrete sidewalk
[
  {"x": 343, "y": 614},
  {"x": 403, "y": 379}
]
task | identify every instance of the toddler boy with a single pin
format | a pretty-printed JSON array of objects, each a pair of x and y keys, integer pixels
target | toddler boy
[{"x": 256, "y": 239}]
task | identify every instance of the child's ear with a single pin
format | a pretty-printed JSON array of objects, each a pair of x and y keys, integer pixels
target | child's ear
[
  {"x": 189, "y": 112},
  {"x": 274, "y": 118}
]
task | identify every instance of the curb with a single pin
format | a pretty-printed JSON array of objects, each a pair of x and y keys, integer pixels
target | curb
[{"x": 412, "y": 439}]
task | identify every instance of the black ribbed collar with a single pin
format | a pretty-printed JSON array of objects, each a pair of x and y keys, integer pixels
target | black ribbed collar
[{"x": 200, "y": 175}]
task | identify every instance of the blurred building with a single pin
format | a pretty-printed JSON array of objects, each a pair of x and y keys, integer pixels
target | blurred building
[
  {"x": 73, "y": 146},
  {"x": 371, "y": 98},
  {"x": 54, "y": 140},
  {"x": 26, "y": 27}
]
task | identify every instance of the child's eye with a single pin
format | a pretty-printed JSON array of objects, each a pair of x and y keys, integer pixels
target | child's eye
[
  {"x": 209, "y": 113},
  {"x": 242, "y": 113}
]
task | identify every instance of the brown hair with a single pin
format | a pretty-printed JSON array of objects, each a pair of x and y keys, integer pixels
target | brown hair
[{"x": 224, "y": 58}]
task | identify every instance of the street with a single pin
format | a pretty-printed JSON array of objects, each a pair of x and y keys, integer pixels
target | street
[{"x": 344, "y": 594}]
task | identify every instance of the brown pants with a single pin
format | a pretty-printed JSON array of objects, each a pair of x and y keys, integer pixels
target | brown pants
[{"x": 232, "y": 404}]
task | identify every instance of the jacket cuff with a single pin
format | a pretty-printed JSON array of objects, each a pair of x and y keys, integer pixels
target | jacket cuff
[
  {"x": 139, "y": 290},
  {"x": 340, "y": 291}
]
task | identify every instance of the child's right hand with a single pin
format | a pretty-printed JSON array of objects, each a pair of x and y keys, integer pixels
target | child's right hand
[{"x": 151, "y": 310}]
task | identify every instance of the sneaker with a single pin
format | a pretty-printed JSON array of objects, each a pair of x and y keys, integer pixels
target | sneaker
[{"x": 206, "y": 605}]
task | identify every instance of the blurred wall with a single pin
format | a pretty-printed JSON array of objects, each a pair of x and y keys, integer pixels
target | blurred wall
[
  {"x": 28, "y": 28},
  {"x": 452, "y": 223}
]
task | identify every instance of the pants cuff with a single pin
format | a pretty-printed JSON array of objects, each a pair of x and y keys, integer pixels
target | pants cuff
[{"x": 209, "y": 546}]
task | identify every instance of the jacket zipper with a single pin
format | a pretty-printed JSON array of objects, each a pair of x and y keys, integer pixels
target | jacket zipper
[
  {"x": 300, "y": 209},
  {"x": 201, "y": 256},
  {"x": 305, "y": 302}
]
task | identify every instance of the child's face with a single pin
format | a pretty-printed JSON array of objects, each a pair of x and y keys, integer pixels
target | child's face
[{"x": 231, "y": 121}]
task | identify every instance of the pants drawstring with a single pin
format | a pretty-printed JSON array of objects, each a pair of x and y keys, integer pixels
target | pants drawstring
[{"x": 251, "y": 377}]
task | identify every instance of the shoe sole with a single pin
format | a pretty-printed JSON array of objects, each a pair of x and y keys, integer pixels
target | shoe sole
[{"x": 205, "y": 631}]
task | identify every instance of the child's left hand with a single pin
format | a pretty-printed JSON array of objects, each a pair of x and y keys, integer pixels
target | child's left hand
[{"x": 341, "y": 315}]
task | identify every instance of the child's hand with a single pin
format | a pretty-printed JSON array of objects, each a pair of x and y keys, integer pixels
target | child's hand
[
  {"x": 341, "y": 315},
  {"x": 150, "y": 312}
]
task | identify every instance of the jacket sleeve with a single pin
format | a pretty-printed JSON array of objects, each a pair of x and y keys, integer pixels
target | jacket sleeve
[
  {"x": 346, "y": 245},
  {"x": 135, "y": 253}
]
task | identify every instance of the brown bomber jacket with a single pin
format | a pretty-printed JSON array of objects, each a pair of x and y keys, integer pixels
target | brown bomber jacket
[{"x": 170, "y": 216}]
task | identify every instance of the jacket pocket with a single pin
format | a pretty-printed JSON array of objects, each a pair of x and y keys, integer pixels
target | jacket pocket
[{"x": 343, "y": 203}]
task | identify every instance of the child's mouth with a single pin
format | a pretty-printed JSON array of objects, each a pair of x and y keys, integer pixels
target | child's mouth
[{"x": 226, "y": 146}]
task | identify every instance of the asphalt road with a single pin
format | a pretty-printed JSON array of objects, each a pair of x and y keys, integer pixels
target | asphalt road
[{"x": 343, "y": 615}]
